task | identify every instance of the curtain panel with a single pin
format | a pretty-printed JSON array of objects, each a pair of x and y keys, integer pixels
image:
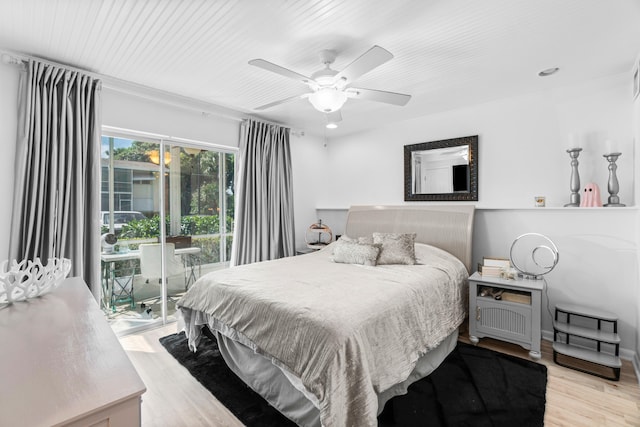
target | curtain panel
[
  {"x": 264, "y": 225},
  {"x": 57, "y": 182}
]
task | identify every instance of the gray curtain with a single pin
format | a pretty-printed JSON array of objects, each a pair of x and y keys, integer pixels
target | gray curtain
[
  {"x": 57, "y": 181},
  {"x": 264, "y": 226}
]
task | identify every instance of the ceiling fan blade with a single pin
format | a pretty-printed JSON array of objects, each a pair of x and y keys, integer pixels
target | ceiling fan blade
[
  {"x": 282, "y": 101},
  {"x": 369, "y": 60},
  {"x": 334, "y": 117},
  {"x": 378, "y": 95},
  {"x": 269, "y": 66}
]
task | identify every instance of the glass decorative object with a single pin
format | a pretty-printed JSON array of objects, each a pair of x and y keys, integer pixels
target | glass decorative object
[{"x": 30, "y": 278}]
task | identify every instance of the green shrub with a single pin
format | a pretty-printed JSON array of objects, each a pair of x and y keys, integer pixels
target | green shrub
[
  {"x": 199, "y": 227},
  {"x": 193, "y": 225},
  {"x": 143, "y": 228},
  {"x": 189, "y": 226}
]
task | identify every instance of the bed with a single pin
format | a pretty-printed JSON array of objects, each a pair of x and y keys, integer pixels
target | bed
[{"x": 329, "y": 343}]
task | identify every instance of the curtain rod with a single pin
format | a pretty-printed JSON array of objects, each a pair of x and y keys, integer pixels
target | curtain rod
[
  {"x": 13, "y": 58},
  {"x": 269, "y": 122},
  {"x": 294, "y": 131}
]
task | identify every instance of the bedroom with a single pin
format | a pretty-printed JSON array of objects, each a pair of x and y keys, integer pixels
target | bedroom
[{"x": 523, "y": 131}]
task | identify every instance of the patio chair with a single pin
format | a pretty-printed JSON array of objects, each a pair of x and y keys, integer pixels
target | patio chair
[{"x": 151, "y": 264}]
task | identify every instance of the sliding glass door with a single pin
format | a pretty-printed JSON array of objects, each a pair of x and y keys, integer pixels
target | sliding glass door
[{"x": 167, "y": 219}]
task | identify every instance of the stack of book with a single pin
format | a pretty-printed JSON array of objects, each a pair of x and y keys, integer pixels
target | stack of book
[{"x": 494, "y": 267}]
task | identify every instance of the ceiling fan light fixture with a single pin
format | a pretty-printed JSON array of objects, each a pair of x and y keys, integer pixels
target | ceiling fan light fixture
[
  {"x": 154, "y": 157},
  {"x": 324, "y": 79},
  {"x": 331, "y": 125},
  {"x": 328, "y": 99},
  {"x": 330, "y": 89}
]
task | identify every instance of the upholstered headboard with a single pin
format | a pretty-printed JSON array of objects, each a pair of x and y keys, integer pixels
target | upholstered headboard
[{"x": 448, "y": 227}]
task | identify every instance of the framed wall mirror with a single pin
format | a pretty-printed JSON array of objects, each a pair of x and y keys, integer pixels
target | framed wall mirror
[{"x": 444, "y": 170}]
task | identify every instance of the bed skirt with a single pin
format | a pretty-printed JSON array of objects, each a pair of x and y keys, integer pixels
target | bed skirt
[{"x": 285, "y": 391}]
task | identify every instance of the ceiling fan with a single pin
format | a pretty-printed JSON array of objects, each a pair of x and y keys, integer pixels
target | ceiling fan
[{"x": 330, "y": 89}]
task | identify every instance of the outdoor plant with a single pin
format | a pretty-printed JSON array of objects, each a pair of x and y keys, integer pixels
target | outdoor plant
[
  {"x": 203, "y": 229},
  {"x": 193, "y": 225}
]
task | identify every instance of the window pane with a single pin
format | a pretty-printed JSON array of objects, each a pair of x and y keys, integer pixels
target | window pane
[{"x": 196, "y": 187}]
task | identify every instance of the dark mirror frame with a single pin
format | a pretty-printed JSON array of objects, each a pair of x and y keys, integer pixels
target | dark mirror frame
[{"x": 471, "y": 195}]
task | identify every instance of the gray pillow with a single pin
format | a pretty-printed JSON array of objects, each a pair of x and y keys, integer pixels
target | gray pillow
[
  {"x": 349, "y": 252},
  {"x": 397, "y": 248}
]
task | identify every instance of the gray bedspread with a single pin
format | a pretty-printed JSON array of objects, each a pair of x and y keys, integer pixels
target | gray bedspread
[{"x": 347, "y": 331}]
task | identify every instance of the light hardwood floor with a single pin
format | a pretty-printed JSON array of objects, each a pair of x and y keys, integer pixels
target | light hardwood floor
[{"x": 574, "y": 399}]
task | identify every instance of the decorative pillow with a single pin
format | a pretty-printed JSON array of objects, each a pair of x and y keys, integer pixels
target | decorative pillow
[
  {"x": 355, "y": 253},
  {"x": 396, "y": 248}
]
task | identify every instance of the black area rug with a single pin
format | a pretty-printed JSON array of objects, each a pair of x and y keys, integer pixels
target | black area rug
[{"x": 472, "y": 387}]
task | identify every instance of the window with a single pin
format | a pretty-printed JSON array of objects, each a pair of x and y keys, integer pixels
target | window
[{"x": 190, "y": 194}]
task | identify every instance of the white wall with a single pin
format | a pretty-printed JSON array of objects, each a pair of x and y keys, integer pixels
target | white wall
[
  {"x": 8, "y": 123},
  {"x": 309, "y": 164},
  {"x": 598, "y": 264},
  {"x": 522, "y": 143},
  {"x": 130, "y": 111}
]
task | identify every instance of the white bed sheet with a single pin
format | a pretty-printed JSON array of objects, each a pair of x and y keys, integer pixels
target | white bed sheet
[{"x": 377, "y": 323}]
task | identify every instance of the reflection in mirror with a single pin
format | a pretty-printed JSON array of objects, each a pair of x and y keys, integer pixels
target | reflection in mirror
[{"x": 442, "y": 170}]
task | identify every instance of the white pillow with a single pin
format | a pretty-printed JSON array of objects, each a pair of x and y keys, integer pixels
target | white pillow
[
  {"x": 397, "y": 248},
  {"x": 349, "y": 252}
]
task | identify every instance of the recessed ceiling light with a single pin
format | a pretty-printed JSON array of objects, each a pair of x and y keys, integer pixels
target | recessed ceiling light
[
  {"x": 331, "y": 125},
  {"x": 548, "y": 72}
]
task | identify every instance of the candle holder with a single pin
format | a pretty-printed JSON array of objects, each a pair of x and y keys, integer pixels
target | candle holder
[
  {"x": 574, "y": 183},
  {"x": 612, "y": 185}
]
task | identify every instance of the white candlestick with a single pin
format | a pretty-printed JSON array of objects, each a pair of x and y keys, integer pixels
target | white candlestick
[
  {"x": 609, "y": 146},
  {"x": 572, "y": 141}
]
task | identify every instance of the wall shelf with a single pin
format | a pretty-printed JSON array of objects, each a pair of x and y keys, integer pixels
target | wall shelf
[
  {"x": 556, "y": 209},
  {"x": 508, "y": 208}
]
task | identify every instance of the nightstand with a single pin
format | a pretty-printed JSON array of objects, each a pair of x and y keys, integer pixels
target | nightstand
[
  {"x": 508, "y": 310},
  {"x": 302, "y": 251}
]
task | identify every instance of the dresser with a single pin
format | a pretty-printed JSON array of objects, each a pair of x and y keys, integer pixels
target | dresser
[{"x": 62, "y": 365}]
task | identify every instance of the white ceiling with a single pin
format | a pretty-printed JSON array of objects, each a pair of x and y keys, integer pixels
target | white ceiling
[{"x": 448, "y": 53}]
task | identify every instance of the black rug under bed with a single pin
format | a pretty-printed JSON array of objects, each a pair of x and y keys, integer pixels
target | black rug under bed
[{"x": 474, "y": 386}]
